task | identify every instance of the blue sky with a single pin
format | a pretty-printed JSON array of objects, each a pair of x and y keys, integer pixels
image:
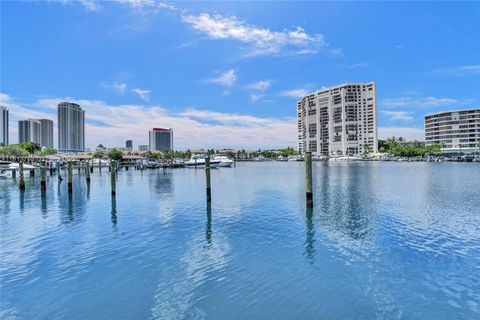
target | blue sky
[{"x": 228, "y": 74}]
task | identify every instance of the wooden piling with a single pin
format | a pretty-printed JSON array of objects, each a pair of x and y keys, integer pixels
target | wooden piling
[
  {"x": 91, "y": 168},
  {"x": 112, "y": 178},
  {"x": 21, "y": 183},
  {"x": 87, "y": 171},
  {"x": 207, "y": 174},
  {"x": 308, "y": 179},
  {"x": 70, "y": 177},
  {"x": 43, "y": 176}
]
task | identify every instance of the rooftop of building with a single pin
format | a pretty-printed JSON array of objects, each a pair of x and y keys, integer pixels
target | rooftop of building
[
  {"x": 450, "y": 111},
  {"x": 324, "y": 89}
]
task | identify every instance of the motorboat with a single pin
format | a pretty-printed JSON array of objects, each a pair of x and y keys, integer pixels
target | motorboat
[
  {"x": 198, "y": 161},
  {"x": 344, "y": 159},
  {"x": 296, "y": 158},
  {"x": 225, "y": 162}
]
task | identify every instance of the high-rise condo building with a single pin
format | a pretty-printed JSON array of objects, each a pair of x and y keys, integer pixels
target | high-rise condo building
[
  {"x": 71, "y": 127},
  {"x": 143, "y": 147},
  {"x": 160, "y": 139},
  {"x": 3, "y": 125},
  {"x": 129, "y": 144},
  {"x": 36, "y": 130},
  {"x": 457, "y": 131},
  {"x": 46, "y": 133},
  {"x": 340, "y": 120},
  {"x": 29, "y": 131}
]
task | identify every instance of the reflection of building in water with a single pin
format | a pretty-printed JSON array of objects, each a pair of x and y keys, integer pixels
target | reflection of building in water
[
  {"x": 347, "y": 202},
  {"x": 161, "y": 187},
  {"x": 72, "y": 206},
  {"x": 310, "y": 235}
]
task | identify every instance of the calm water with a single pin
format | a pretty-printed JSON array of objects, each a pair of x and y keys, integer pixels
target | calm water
[{"x": 385, "y": 241}]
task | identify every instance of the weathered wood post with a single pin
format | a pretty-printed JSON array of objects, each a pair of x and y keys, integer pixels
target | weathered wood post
[
  {"x": 308, "y": 179},
  {"x": 91, "y": 168},
  {"x": 87, "y": 171},
  {"x": 43, "y": 176},
  {"x": 21, "y": 183},
  {"x": 14, "y": 173},
  {"x": 69, "y": 177},
  {"x": 207, "y": 173},
  {"x": 112, "y": 178}
]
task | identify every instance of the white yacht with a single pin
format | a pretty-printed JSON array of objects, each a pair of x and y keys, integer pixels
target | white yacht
[
  {"x": 345, "y": 159},
  {"x": 198, "y": 161},
  {"x": 225, "y": 161}
]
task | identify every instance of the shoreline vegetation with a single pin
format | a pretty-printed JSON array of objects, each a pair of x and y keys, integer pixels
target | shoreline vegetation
[{"x": 390, "y": 148}]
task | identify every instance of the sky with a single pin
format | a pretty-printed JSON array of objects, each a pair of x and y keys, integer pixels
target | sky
[{"x": 229, "y": 74}]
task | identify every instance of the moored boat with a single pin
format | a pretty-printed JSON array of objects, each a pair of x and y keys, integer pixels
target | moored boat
[
  {"x": 198, "y": 161},
  {"x": 345, "y": 159},
  {"x": 225, "y": 162}
]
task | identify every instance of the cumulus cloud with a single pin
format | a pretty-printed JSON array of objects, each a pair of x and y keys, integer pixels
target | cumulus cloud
[
  {"x": 295, "y": 93},
  {"x": 262, "y": 85},
  {"x": 255, "y": 97},
  {"x": 226, "y": 79},
  {"x": 398, "y": 115},
  {"x": 118, "y": 87},
  {"x": 143, "y": 94},
  {"x": 260, "y": 41},
  {"x": 424, "y": 102},
  {"x": 460, "y": 70},
  {"x": 194, "y": 128}
]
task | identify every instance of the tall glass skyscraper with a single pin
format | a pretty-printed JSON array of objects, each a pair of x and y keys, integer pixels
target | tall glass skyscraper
[
  {"x": 29, "y": 131},
  {"x": 71, "y": 127},
  {"x": 161, "y": 139},
  {"x": 36, "y": 130},
  {"x": 3, "y": 125}
]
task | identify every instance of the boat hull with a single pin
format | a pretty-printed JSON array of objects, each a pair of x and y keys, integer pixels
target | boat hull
[{"x": 213, "y": 164}]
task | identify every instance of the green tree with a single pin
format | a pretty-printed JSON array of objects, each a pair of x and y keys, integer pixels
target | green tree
[
  {"x": 13, "y": 150},
  {"x": 31, "y": 147},
  {"x": 47, "y": 151},
  {"x": 366, "y": 150},
  {"x": 115, "y": 154},
  {"x": 98, "y": 154},
  {"x": 168, "y": 154}
]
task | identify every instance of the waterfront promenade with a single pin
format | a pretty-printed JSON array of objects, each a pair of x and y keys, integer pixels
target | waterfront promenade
[{"x": 384, "y": 240}]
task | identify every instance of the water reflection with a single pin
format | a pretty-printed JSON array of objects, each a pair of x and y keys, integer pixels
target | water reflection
[
  {"x": 114, "y": 213},
  {"x": 72, "y": 206},
  {"x": 44, "y": 204},
  {"x": 348, "y": 202},
  {"x": 208, "y": 226},
  {"x": 22, "y": 200},
  {"x": 309, "y": 236}
]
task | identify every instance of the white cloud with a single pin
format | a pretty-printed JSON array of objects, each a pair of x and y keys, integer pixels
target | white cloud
[
  {"x": 261, "y": 41},
  {"x": 262, "y": 85},
  {"x": 89, "y": 5},
  {"x": 398, "y": 46},
  {"x": 226, "y": 79},
  {"x": 423, "y": 102},
  {"x": 118, "y": 87},
  {"x": 460, "y": 70},
  {"x": 255, "y": 97},
  {"x": 405, "y": 132},
  {"x": 194, "y": 128},
  {"x": 295, "y": 93},
  {"x": 357, "y": 65},
  {"x": 143, "y": 94},
  {"x": 398, "y": 115}
]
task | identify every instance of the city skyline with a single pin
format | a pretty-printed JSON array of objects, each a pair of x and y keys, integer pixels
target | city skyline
[{"x": 232, "y": 73}]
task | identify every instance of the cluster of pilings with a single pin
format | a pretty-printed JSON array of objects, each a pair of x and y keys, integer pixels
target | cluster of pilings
[{"x": 114, "y": 166}]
